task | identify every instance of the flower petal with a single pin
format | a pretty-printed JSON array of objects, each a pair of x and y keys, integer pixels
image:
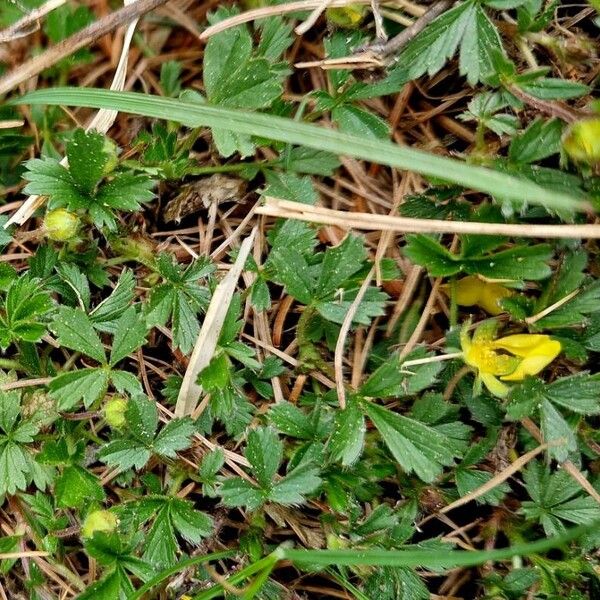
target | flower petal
[
  {"x": 536, "y": 361},
  {"x": 522, "y": 344},
  {"x": 494, "y": 385}
]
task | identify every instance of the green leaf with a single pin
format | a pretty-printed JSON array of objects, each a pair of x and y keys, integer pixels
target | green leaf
[
  {"x": 540, "y": 140},
  {"x": 142, "y": 418},
  {"x": 275, "y": 38},
  {"x": 579, "y": 393},
  {"x": 348, "y": 436},
  {"x": 285, "y": 130},
  {"x": 264, "y": 452},
  {"x": 468, "y": 480},
  {"x": 547, "y": 88},
  {"x": 130, "y": 334},
  {"x": 125, "y": 191},
  {"x": 75, "y": 331},
  {"x": 26, "y": 306},
  {"x": 191, "y": 524},
  {"x": 292, "y": 421},
  {"x": 415, "y": 446},
  {"x": 518, "y": 263},
  {"x": 289, "y": 186},
  {"x": 14, "y": 468},
  {"x": 125, "y": 454},
  {"x": 107, "y": 588},
  {"x": 340, "y": 263},
  {"x": 160, "y": 548},
  {"x": 295, "y": 486},
  {"x": 236, "y": 491},
  {"x": 87, "y": 159},
  {"x": 76, "y": 488},
  {"x": 292, "y": 271},
  {"x": 466, "y": 25},
  {"x": 175, "y": 436},
  {"x": 113, "y": 306},
  {"x": 556, "y": 429},
  {"x": 355, "y": 120},
  {"x": 425, "y": 251},
  {"x": 88, "y": 385},
  {"x": 185, "y": 323},
  {"x": 47, "y": 177}
]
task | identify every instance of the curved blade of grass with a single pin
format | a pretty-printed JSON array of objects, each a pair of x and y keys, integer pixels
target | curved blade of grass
[
  {"x": 429, "y": 559},
  {"x": 312, "y": 136}
]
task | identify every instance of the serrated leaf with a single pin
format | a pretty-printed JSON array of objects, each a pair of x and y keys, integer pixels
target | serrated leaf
[
  {"x": 348, "y": 436},
  {"x": 540, "y": 140},
  {"x": 236, "y": 491},
  {"x": 556, "y": 429},
  {"x": 264, "y": 452},
  {"x": 130, "y": 334},
  {"x": 160, "y": 547},
  {"x": 77, "y": 487},
  {"x": 340, "y": 263},
  {"x": 125, "y": 454},
  {"x": 87, "y": 385},
  {"x": 415, "y": 446},
  {"x": 466, "y": 25},
  {"x": 114, "y": 305},
  {"x": 191, "y": 524},
  {"x": 295, "y": 486},
  {"x": 75, "y": 331},
  {"x": 87, "y": 159},
  {"x": 291, "y": 271},
  {"x": 175, "y": 436}
]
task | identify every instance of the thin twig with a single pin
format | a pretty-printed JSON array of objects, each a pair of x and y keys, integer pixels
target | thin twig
[
  {"x": 406, "y": 35},
  {"x": 269, "y": 11},
  {"x": 312, "y": 18},
  {"x": 499, "y": 478},
  {"x": 567, "y": 465},
  {"x": 373, "y": 222},
  {"x": 549, "y": 309},
  {"x": 79, "y": 40},
  {"x": 206, "y": 343},
  {"x": 339, "y": 346},
  {"x": 27, "y": 24}
]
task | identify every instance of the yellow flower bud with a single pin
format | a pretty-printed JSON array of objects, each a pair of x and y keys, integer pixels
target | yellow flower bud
[
  {"x": 114, "y": 412},
  {"x": 349, "y": 16},
  {"x": 472, "y": 290},
  {"x": 581, "y": 141},
  {"x": 61, "y": 225},
  {"x": 99, "y": 520}
]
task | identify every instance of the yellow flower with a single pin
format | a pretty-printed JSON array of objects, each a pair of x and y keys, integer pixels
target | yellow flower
[
  {"x": 472, "y": 290},
  {"x": 535, "y": 350},
  {"x": 510, "y": 358}
]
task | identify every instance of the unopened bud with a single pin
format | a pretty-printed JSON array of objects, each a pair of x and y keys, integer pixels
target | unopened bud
[{"x": 61, "y": 225}]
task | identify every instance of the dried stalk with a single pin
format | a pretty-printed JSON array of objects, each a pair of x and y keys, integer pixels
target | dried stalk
[
  {"x": 79, "y": 40},
  {"x": 373, "y": 222},
  {"x": 209, "y": 333}
]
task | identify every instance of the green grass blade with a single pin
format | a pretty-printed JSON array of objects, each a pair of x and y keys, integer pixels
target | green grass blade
[
  {"x": 431, "y": 559},
  {"x": 312, "y": 136}
]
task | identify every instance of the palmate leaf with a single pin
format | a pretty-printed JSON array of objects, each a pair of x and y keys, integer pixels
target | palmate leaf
[
  {"x": 466, "y": 26},
  {"x": 417, "y": 447}
]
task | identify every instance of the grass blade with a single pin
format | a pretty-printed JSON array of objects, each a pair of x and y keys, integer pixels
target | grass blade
[{"x": 312, "y": 136}]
